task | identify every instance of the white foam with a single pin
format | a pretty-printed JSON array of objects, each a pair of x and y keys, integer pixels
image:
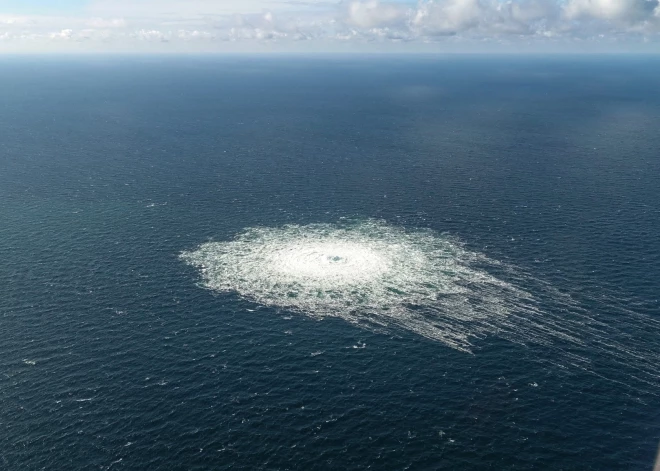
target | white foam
[
  {"x": 365, "y": 272},
  {"x": 383, "y": 277}
]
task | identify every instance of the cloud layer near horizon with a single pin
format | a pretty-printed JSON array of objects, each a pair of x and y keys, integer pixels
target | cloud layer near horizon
[{"x": 316, "y": 25}]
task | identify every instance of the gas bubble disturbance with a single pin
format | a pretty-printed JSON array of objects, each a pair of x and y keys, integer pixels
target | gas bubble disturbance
[{"x": 384, "y": 277}]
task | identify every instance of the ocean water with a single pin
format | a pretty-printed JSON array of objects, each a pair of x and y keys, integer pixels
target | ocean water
[{"x": 424, "y": 263}]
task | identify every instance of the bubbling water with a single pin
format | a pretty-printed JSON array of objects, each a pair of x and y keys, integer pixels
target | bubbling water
[
  {"x": 382, "y": 277},
  {"x": 342, "y": 262},
  {"x": 368, "y": 273}
]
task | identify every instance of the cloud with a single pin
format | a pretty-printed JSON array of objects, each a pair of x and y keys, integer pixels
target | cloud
[
  {"x": 623, "y": 11},
  {"x": 113, "y": 23},
  {"x": 190, "y": 25},
  {"x": 447, "y": 17},
  {"x": 151, "y": 35},
  {"x": 371, "y": 14},
  {"x": 64, "y": 34}
]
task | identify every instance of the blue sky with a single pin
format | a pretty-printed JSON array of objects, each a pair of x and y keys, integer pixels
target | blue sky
[
  {"x": 41, "y": 6},
  {"x": 329, "y": 25}
]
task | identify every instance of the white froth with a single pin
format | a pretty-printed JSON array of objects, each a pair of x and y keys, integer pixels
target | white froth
[
  {"x": 328, "y": 261},
  {"x": 383, "y": 277},
  {"x": 365, "y": 272}
]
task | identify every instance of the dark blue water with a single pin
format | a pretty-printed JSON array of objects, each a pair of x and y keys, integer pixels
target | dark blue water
[{"x": 113, "y": 357}]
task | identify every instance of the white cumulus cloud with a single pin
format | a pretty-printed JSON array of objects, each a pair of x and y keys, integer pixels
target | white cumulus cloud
[{"x": 220, "y": 25}]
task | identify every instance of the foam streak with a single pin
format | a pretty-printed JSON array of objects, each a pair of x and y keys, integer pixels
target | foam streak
[{"x": 382, "y": 277}]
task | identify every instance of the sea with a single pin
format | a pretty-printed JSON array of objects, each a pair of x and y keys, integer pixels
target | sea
[{"x": 422, "y": 262}]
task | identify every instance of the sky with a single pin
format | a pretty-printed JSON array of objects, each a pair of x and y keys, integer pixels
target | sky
[{"x": 317, "y": 26}]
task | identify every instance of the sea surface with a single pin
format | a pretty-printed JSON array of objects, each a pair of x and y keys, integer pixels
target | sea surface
[{"x": 155, "y": 213}]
